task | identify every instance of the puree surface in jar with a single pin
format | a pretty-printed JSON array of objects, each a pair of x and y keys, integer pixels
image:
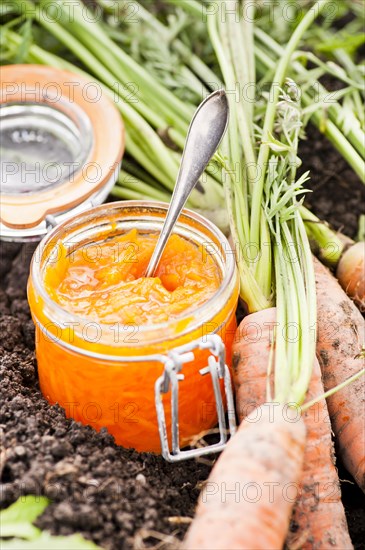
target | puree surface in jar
[{"x": 104, "y": 281}]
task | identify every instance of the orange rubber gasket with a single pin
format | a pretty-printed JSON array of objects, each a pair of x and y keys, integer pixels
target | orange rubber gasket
[{"x": 22, "y": 83}]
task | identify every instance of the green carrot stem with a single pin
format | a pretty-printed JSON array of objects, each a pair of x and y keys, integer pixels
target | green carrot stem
[
  {"x": 190, "y": 6},
  {"x": 166, "y": 101},
  {"x": 280, "y": 73},
  {"x": 127, "y": 194},
  {"x": 331, "y": 245},
  {"x": 126, "y": 87},
  {"x": 132, "y": 183},
  {"x": 337, "y": 138},
  {"x": 332, "y": 391}
]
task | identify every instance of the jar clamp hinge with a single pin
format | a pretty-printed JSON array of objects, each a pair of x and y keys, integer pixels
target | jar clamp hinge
[
  {"x": 52, "y": 221},
  {"x": 169, "y": 380}
]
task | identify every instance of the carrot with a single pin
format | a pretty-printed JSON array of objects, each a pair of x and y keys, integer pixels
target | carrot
[
  {"x": 351, "y": 273},
  {"x": 318, "y": 520},
  {"x": 340, "y": 253},
  {"x": 341, "y": 334},
  {"x": 238, "y": 508}
]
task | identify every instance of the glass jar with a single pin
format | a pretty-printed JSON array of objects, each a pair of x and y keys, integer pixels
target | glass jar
[
  {"x": 61, "y": 148},
  {"x": 104, "y": 375}
]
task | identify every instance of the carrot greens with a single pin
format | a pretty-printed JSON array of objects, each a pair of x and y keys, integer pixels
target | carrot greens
[{"x": 264, "y": 199}]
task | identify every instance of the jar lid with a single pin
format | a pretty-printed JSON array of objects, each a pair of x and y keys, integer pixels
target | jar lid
[{"x": 62, "y": 141}]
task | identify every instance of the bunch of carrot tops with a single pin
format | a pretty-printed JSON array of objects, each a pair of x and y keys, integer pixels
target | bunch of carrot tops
[{"x": 251, "y": 190}]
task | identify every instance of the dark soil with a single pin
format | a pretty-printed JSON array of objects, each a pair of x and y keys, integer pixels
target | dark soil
[
  {"x": 338, "y": 195},
  {"x": 119, "y": 498}
]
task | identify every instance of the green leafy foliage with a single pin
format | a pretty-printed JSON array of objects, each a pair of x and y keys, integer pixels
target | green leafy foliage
[
  {"x": 26, "y": 33},
  {"x": 348, "y": 42},
  {"x": 17, "y": 521},
  {"x": 46, "y": 542}
]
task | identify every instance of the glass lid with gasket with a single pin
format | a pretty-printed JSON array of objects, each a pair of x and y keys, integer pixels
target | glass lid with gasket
[{"x": 62, "y": 141}]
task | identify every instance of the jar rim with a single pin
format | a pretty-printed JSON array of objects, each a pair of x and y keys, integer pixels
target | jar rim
[
  {"x": 23, "y": 215},
  {"x": 228, "y": 272}
]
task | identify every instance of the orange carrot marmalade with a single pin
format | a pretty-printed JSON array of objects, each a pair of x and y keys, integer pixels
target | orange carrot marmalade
[{"x": 104, "y": 281}]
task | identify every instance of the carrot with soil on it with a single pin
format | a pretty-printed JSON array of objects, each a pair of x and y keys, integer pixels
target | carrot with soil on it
[
  {"x": 351, "y": 273},
  {"x": 266, "y": 451},
  {"x": 318, "y": 520},
  {"x": 341, "y": 336},
  {"x": 340, "y": 253}
]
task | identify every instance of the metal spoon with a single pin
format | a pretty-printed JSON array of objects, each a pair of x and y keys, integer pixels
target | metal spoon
[{"x": 206, "y": 131}]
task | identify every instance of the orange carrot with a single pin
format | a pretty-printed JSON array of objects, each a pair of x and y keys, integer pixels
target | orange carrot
[
  {"x": 351, "y": 273},
  {"x": 341, "y": 335},
  {"x": 318, "y": 520},
  {"x": 243, "y": 504}
]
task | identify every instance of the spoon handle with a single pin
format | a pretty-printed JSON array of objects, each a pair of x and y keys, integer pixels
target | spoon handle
[{"x": 205, "y": 133}]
